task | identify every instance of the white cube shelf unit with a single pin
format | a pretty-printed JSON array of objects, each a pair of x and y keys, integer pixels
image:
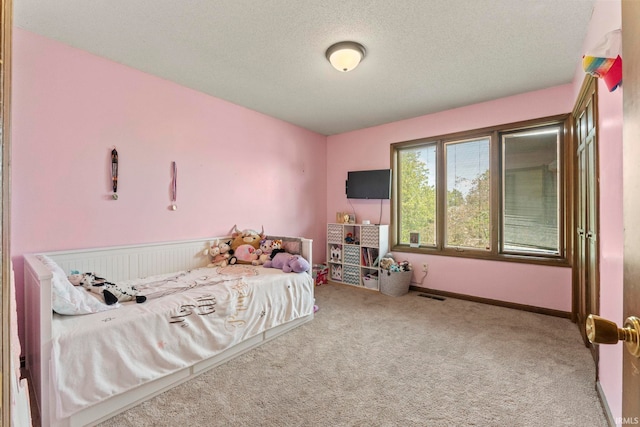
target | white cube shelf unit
[{"x": 354, "y": 252}]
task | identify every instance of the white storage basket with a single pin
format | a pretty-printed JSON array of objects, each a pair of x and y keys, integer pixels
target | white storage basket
[{"x": 370, "y": 282}]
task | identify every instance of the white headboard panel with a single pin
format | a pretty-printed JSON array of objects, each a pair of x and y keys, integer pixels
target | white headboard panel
[
  {"x": 131, "y": 262},
  {"x": 136, "y": 261}
]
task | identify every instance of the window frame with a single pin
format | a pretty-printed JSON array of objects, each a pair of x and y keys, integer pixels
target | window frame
[{"x": 494, "y": 133}]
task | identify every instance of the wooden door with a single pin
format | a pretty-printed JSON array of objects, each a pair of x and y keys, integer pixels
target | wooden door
[
  {"x": 586, "y": 288},
  {"x": 580, "y": 234},
  {"x": 591, "y": 236},
  {"x": 631, "y": 192},
  {"x": 6, "y": 19}
]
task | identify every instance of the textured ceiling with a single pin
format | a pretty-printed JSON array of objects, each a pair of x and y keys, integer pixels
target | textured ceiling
[{"x": 423, "y": 56}]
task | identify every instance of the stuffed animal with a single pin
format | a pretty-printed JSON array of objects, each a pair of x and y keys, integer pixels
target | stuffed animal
[
  {"x": 219, "y": 253},
  {"x": 288, "y": 263},
  {"x": 267, "y": 246},
  {"x": 244, "y": 245},
  {"x": 404, "y": 266},
  {"x": 387, "y": 261},
  {"x": 111, "y": 292}
]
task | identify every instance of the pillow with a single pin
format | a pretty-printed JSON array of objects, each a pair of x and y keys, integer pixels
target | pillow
[
  {"x": 292, "y": 245},
  {"x": 66, "y": 298}
]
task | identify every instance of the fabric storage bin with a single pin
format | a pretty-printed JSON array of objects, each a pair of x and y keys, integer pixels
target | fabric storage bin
[
  {"x": 370, "y": 282},
  {"x": 334, "y": 233},
  {"x": 319, "y": 273},
  {"x": 369, "y": 236},
  {"x": 351, "y": 254},
  {"x": 336, "y": 272},
  {"x": 351, "y": 274},
  {"x": 395, "y": 283}
]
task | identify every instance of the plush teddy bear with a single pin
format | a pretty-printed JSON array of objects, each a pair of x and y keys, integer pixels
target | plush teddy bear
[
  {"x": 267, "y": 246},
  {"x": 111, "y": 292},
  {"x": 244, "y": 245},
  {"x": 219, "y": 253},
  {"x": 387, "y": 261},
  {"x": 288, "y": 263}
]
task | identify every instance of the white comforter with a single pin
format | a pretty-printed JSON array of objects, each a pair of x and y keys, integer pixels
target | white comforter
[{"x": 188, "y": 317}]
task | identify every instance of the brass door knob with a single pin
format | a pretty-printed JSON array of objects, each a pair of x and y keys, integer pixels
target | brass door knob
[{"x": 603, "y": 331}]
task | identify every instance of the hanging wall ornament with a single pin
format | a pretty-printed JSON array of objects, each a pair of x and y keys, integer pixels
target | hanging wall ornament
[
  {"x": 604, "y": 61},
  {"x": 174, "y": 186},
  {"x": 114, "y": 173}
]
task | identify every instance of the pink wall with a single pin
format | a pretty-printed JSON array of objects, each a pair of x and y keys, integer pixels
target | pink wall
[
  {"x": 540, "y": 286},
  {"x": 70, "y": 108},
  {"x": 607, "y": 17},
  {"x": 235, "y": 166}
]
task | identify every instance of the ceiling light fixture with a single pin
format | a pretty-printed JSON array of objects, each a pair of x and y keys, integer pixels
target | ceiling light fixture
[{"x": 345, "y": 56}]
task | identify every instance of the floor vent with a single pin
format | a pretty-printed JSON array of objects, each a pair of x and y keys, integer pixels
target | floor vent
[{"x": 436, "y": 297}]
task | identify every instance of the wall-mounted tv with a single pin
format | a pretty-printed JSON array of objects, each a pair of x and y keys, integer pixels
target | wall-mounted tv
[{"x": 371, "y": 184}]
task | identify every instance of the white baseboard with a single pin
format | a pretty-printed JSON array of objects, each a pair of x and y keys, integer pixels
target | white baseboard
[{"x": 605, "y": 406}]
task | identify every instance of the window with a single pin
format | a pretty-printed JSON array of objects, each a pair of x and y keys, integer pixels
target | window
[
  {"x": 490, "y": 193},
  {"x": 417, "y": 171},
  {"x": 530, "y": 213},
  {"x": 466, "y": 218}
]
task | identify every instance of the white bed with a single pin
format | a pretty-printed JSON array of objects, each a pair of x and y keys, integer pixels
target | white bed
[{"x": 124, "y": 356}]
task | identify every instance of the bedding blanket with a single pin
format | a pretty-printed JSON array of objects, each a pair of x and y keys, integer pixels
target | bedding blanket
[{"x": 189, "y": 316}]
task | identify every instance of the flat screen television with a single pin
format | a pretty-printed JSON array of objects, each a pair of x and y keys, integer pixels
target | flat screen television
[{"x": 371, "y": 184}]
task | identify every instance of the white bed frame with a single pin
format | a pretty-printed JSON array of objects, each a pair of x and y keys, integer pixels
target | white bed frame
[{"x": 116, "y": 263}]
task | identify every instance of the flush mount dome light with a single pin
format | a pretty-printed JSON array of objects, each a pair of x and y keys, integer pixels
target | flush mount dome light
[{"x": 345, "y": 56}]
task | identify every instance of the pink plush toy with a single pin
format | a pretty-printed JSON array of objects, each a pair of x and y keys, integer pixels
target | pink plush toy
[
  {"x": 288, "y": 263},
  {"x": 245, "y": 254}
]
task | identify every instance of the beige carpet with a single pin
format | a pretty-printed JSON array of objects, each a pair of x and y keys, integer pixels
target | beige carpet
[{"x": 372, "y": 360}]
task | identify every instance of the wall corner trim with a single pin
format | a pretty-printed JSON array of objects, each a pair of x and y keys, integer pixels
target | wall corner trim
[{"x": 605, "y": 406}]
